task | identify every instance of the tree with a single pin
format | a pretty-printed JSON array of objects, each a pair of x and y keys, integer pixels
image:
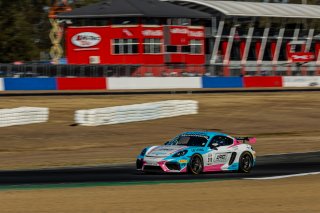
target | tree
[{"x": 25, "y": 28}]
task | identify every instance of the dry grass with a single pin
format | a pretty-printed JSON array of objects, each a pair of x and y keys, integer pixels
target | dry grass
[
  {"x": 282, "y": 122},
  {"x": 294, "y": 195}
]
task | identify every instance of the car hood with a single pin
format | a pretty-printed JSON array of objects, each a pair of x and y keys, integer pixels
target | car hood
[{"x": 165, "y": 151}]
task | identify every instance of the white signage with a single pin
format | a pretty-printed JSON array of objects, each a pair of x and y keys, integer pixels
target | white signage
[
  {"x": 179, "y": 31},
  {"x": 1, "y": 84},
  {"x": 196, "y": 34},
  {"x": 301, "y": 81},
  {"x": 86, "y": 39},
  {"x": 152, "y": 32}
]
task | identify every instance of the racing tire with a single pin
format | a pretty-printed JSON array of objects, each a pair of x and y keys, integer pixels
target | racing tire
[
  {"x": 245, "y": 162},
  {"x": 195, "y": 165}
]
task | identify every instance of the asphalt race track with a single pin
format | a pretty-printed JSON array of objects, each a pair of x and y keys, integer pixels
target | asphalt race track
[{"x": 267, "y": 166}]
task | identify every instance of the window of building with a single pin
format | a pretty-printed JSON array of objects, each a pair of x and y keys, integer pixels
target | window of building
[
  {"x": 152, "y": 45},
  {"x": 125, "y": 46},
  {"x": 179, "y": 21},
  {"x": 125, "y": 21},
  {"x": 195, "y": 46},
  {"x": 171, "y": 49},
  {"x": 185, "y": 49}
]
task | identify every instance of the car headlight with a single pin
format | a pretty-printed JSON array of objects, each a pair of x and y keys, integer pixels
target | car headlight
[
  {"x": 180, "y": 153},
  {"x": 143, "y": 152}
]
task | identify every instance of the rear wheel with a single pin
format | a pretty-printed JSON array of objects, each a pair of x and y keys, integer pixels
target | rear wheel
[
  {"x": 245, "y": 162},
  {"x": 196, "y": 164}
]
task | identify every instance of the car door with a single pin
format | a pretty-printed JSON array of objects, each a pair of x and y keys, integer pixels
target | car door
[{"x": 220, "y": 153}]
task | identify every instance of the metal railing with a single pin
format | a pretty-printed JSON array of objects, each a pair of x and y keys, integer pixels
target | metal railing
[{"x": 49, "y": 70}]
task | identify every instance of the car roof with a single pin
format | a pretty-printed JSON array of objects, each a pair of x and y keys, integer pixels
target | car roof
[{"x": 204, "y": 133}]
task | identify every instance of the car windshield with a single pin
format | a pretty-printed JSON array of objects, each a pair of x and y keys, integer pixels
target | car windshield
[{"x": 190, "y": 140}]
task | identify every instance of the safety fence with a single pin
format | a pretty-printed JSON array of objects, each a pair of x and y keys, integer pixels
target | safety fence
[
  {"x": 127, "y": 83},
  {"x": 169, "y": 70},
  {"x": 23, "y": 115},
  {"x": 135, "y": 112}
]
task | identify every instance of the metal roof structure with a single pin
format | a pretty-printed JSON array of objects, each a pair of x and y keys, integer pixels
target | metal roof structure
[
  {"x": 255, "y": 9},
  {"x": 133, "y": 8}
]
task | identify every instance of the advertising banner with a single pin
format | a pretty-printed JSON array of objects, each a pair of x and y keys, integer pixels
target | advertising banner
[
  {"x": 154, "y": 83},
  {"x": 30, "y": 84},
  {"x": 301, "y": 81},
  {"x": 1, "y": 84}
]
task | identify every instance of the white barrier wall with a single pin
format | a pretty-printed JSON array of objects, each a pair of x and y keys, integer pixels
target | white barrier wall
[
  {"x": 23, "y": 115},
  {"x": 153, "y": 82},
  {"x": 1, "y": 84},
  {"x": 301, "y": 81},
  {"x": 135, "y": 112}
]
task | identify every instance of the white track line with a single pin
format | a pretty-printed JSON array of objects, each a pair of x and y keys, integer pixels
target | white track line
[
  {"x": 284, "y": 176},
  {"x": 288, "y": 153}
]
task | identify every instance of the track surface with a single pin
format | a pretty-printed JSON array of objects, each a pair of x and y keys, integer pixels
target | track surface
[
  {"x": 156, "y": 92},
  {"x": 267, "y": 166}
]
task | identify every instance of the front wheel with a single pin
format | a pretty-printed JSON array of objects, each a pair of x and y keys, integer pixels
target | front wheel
[
  {"x": 245, "y": 162},
  {"x": 195, "y": 165}
]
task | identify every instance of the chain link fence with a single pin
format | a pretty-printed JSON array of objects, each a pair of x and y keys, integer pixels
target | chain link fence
[{"x": 50, "y": 70}]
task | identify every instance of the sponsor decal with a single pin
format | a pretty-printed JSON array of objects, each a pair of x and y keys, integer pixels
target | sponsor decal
[
  {"x": 210, "y": 158},
  {"x": 183, "y": 161},
  {"x": 221, "y": 158},
  {"x": 86, "y": 39},
  {"x": 179, "y": 31},
  {"x": 152, "y": 33},
  {"x": 198, "y": 150}
]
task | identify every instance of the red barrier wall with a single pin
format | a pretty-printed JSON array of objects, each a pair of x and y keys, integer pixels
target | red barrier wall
[
  {"x": 262, "y": 81},
  {"x": 81, "y": 83}
]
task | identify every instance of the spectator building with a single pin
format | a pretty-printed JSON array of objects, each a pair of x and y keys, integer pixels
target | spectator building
[{"x": 192, "y": 32}]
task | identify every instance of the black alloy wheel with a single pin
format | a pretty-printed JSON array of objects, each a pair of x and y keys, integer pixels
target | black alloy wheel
[
  {"x": 196, "y": 165},
  {"x": 245, "y": 162}
]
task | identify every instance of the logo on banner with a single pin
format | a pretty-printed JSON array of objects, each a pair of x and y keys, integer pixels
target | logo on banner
[
  {"x": 302, "y": 57},
  {"x": 127, "y": 32},
  {"x": 86, "y": 39},
  {"x": 152, "y": 32},
  {"x": 196, "y": 34}
]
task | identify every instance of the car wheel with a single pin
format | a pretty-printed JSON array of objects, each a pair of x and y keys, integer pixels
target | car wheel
[
  {"x": 195, "y": 165},
  {"x": 245, "y": 162}
]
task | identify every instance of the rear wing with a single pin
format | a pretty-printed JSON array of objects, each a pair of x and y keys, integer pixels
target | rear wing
[{"x": 250, "y": 140}]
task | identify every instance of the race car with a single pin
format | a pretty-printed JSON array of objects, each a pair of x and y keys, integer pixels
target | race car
[{"x": 197, "y": 152}]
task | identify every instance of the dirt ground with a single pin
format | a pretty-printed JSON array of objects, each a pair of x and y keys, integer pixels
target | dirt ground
[
  {"x": 282, "y": 123},
  {"x": 294, "y": 195}
]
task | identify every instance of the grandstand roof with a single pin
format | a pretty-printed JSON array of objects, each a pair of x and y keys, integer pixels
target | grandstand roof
[
  {"x": 133, "y": 8},
  {"x": 255, "y": 9}
]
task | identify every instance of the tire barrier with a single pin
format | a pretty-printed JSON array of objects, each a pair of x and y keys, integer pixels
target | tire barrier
[
  {"x": 135, "y": 112},
  {"x": 23, "y": 115}
]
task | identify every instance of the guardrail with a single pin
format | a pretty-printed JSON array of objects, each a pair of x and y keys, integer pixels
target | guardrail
[
  {"x": 23, "y": 115},
  {"x": 135, "y": 112}
]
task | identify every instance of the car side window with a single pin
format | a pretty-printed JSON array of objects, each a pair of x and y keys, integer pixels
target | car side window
[{"x": 220, "y": 140}]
